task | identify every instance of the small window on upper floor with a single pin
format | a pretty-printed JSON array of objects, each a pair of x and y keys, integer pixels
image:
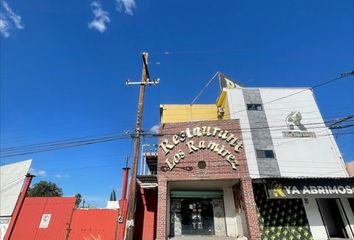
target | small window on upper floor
[
  {"x": 254, "y": 107},
  {"x": 265, "y": 153}
]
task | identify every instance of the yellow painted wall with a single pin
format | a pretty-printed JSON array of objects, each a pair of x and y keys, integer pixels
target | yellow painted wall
[
  {"x": 174, "y": 113},
  {"x": 223, "y": 101}
]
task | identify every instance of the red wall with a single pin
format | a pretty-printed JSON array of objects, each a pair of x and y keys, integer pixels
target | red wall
[
  {"x": 93, "y": 224},
  {"x": 145, "y": 217},
  {"x": 27, "y": 226}
]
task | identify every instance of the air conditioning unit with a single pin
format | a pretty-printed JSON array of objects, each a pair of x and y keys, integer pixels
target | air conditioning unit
[{"x": 221, "y": 111}]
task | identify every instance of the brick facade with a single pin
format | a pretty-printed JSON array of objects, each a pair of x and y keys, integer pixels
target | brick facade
[{"x": 211, "y": 145}]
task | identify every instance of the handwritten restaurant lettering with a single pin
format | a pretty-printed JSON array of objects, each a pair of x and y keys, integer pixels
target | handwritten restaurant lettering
[{"x": 198, "y": 144}]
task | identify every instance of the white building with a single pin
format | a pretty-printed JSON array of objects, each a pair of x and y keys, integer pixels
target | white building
[{"x": 288, "y": 145}]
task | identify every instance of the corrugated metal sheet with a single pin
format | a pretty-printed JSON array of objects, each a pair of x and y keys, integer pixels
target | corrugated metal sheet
[
  {"x": 92, "y": 224},
  {"x": 28, "y": 224}
]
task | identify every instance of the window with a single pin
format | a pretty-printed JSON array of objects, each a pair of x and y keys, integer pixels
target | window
[
  {"x": 265, "y": 153},
  {"x": 254, "y": 107},
  {"x": 351, "y": 203},
  {"x": 332, "y": 218}
]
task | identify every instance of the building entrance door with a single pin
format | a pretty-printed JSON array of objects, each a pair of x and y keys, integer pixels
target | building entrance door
[
  {"x": 196, "y": 213},
  {"x": 197, "y": 217},
  {"x": 333, "y": 221}
]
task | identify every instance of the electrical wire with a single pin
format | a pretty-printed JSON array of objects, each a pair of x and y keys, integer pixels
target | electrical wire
[
  {"x": 15, "y": 151},
  {"x": 34, "y": 148},
  {"x": 204, "y": 88},
  {"x": 342, "y": 75},
  {"x": 244, "y": 130},
  {"x": 77, "y": 144}
]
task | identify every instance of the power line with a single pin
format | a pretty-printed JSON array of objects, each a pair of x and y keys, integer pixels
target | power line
[
  {"x": 41, "y": 147},
  {"x": 85, "y": 141},
  {"x": 36, "y": 148},
  {"x": 204, "y": 88},
  {"x": 20, "y": 152},
  {"x": 277, "y": 127},
  {"x": 342, "y": 75}
]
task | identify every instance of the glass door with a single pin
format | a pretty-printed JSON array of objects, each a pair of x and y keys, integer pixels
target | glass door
[
  {"x": 197, "y": 217},
  {"x": 332, "y": 218}
]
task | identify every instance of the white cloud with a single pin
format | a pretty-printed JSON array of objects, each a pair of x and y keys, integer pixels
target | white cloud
[
  {"x": 61, "y": 176},
  {"x": 155, "y": 129},
  {"x": 14, "y": 17},
  {"x": 4, "y": 26},
  {"x": 38, "y": 173},
  {"x": 8, "y": 19},
  {"x": 127, "y": 5},
  {"x": 101, "y": 17}
]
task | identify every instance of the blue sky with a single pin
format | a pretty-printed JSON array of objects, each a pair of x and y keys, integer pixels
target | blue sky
[{"x": 64, "y": 64}]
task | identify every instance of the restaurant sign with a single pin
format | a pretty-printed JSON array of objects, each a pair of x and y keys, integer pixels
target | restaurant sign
[
  {"x": 310, "y": 187},
  {"x": 192, "y": 138}
]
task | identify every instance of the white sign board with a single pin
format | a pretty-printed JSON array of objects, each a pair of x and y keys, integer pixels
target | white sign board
[
  {"x": 4, "y": 224},
  {"x": 45, "y": 220},
  {"x": 12, "y": 178}
]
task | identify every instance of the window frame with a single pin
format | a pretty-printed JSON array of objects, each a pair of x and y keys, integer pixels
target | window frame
[
  {"x": 265, "y": 151},
  {"x": 254, "y": 107}
]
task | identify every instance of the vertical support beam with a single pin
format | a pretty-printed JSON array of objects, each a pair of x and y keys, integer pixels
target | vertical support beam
[
  {"x": 132, "y": 186},
  {"x": 125, "y": 183},
  {"x": 18, "y": 207},
  {"x": 161, "y": 223},
  {"x": 250, "y": 209},
  {"x": 122, "y": 211}
]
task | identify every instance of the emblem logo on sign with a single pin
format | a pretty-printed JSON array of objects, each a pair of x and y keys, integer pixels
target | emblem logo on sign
[
  {"x": 278, "y": 190},
  {"x": 294, "y": 119},
  {"x": 296, "y": 128}
]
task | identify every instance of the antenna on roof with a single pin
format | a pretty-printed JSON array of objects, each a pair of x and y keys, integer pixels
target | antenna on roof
[{"x": 126, "y": 161}]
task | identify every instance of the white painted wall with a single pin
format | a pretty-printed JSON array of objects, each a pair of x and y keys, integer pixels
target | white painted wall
[
  {"x": 241, "y": 224},
  {"x": 112, "y": 205},
  {"x": 230, "y": 212},
  {"x": 238, "y": 111},
  {"x": 219, "y": 217},
  {"x": 318, "y": 230},
  {"x": 309, "y": 157}
]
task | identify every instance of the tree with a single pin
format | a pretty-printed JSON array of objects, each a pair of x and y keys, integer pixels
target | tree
[
  {"x": 113, "y": 196},
  {"x": 45, "y": 189},
  {"x": 78, "y": 199}
]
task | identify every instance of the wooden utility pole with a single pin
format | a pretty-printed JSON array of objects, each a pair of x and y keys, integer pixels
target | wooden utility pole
[{"x": 145, "y": 80}]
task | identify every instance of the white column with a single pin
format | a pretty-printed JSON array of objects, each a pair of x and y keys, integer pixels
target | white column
[
  {"x": 348, "y": 212},
  {"x": 219, "y": 217},
  {"x": 230, "y": 212},
  {"x": 313, "y": 214}
]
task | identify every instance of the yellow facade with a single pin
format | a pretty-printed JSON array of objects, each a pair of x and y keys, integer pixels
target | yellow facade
[{"x": 174, "y": 113}]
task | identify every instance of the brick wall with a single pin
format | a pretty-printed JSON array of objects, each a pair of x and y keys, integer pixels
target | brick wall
[
  {"x": 217, "y": 165},
  {"x": 250, "y": 208}
]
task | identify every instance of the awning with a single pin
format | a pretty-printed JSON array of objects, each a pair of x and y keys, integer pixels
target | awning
[
  {"x": 196, "y": 194},
  {"x": 310, "y": 187},
  {"x": 147, "y": 181}
]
